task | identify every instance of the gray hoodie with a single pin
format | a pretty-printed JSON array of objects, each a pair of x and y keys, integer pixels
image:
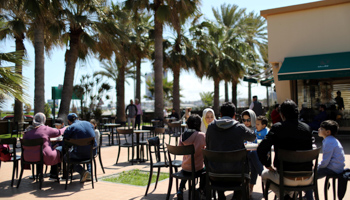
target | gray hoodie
[{"x": 227, "y": 134}]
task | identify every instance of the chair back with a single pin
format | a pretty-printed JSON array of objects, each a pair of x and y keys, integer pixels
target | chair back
[
  {"x": 298, "y": 157},
  {"x": 124, "y": 131},
  {"x": 10, "y": 141},
  {"x": 154, "y": 148},
  {"x": 181, "y": 150},
  {"x": 226, "y": 157},
  {"x": 159, "y": 130},
  {"x": 29, "y": 144},
  {"x": 175, "y": 128},
  {"x": 70, "y": 142}
]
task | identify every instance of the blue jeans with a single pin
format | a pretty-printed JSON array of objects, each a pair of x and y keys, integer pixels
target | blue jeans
[
  {"x": 321, "y": 172},
  {"x": 255, "y": 166},
  {"x": 79, "y": 168}
]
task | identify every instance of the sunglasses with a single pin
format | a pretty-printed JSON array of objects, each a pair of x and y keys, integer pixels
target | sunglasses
[{"x": 245, "y": 120}]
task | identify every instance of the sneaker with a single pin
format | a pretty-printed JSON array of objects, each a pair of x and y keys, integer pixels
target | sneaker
[
  {"x": 180, "y": 195},
  {"x": 88, "y": 178},
  {"x": 84, "y": 176}
]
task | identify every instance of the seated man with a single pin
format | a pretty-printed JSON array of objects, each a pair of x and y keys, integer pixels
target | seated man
[
  {"x": 227, "y": 134},
  {"x": 290, "y": 134},
  {"x": 322, "y": 116},
  {"x": 78, "y": 130}
]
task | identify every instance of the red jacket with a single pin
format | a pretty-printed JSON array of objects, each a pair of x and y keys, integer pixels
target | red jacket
[{"x": 275, "y": 116}]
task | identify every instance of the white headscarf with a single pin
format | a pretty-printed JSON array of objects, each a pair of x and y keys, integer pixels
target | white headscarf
[
  {"x": 39, "y": 120},
  {"x": 204, "y": 125}
]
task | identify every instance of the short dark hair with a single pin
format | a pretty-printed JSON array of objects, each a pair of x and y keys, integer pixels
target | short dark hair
[
  {"x": 338, "y": 92},
  {"x": 256, "y": 97},
  {"x": 289, "y": 109},
  {"x": 228, "y": 109},
  {"x": 263, "y": 119},
  {"x": 245, "y": 113},
  {"x": 330, "y": 125},
  {"x": 194, "y": 122},
  {"x": 277, "y": 105},
  {"x": 323, "y": 106}
]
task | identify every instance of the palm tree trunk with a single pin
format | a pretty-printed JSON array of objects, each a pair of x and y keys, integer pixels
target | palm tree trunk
[
  {"x": 71, "y": 57},
  {"x": 121, "y": 94},
  {"x": 234, "y": 92},
  {"x": 158, "y": 66},
  {"x": 176, "y": 89},
  {"x": 39, "y": 93},
  {"x": 249, "y": 93},
  {"x": 226, "y": 91},
  {"x": 138, "y": 79},
  {"x": 216, "y": 96},
  {"x": 18, "y": 108}
]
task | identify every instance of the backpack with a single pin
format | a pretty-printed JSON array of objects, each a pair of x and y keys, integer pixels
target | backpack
[{"x": 5, "y": 154}]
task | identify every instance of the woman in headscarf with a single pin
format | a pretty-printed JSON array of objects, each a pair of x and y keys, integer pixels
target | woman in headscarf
[
  {"x": 39, "y": 130},
  {"x": 249, "y": 120},
  {"x": 207, "y": 118}
]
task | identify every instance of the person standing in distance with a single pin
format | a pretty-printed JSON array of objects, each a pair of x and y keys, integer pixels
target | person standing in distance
[
  {"x": 131, "y": 112},
  {"x": 256, "y": 106}
]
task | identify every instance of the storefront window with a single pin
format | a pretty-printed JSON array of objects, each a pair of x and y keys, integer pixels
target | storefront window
[{"x": 313, "y": 93}]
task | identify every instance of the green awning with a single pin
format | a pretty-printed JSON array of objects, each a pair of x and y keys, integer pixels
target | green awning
[
  {"x": 315, "y": 66},
  {"x": 251, "y": 80},
  {"x": 266, "y": 82}
]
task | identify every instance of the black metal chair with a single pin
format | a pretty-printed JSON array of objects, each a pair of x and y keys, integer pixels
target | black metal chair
[
  {"x": 174, "y": 131},
  {"x": 181, "y": 150},
  {"x": 126, "y": 144},
  {"x": 14, "y": 157},
  {"x": 223, "y": 181},
  {"x": 98, "y": 153},
  {"x": 69, "y": 143},
  {"x": 156, "y": 160},
  {"x": 144, "y": 140},
  {"x": 295, "y": 157},
  {"x": 29, "y": 144}
]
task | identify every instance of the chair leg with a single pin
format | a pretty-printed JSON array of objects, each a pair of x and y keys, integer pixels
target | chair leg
[
  {"x": 92, "y": 173},
  {"x": 169, "y": 188},
  {"x": 100, "y": 158},
  {"x": 177, "y": 181},
  {"x": 13, "y": 172},
  {"x": 20, "y": 176},
  {"x": 95, "y": 170},
  {"x": 334, "y": 193},
  {"x": 17, "y": 168},
  {"x": 40, "y": 171},
  {"x": 326, "y": 182},
  {"x": 132, "y": 153},
  {"x": 149, "y": 180},
  {"x": 316, "y": 194},
  {"x": 116, "y": 162},
  {"x": 158, "y": 172}
]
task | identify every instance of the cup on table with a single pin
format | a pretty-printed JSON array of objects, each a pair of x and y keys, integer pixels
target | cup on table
[{"x": 259, "y": 140}]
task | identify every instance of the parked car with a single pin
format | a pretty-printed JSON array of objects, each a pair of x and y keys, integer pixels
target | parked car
[{"x": 10, "y": 117}]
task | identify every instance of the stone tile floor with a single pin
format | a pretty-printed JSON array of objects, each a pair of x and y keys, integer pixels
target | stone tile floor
[{"x": 106, "y": 190}]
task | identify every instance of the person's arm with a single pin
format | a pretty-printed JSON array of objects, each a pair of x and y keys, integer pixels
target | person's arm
[
  {"x": 248, "y": 134},
  {"x": 135, "y": 110},
  {"x": 251, "y": 106},
  {"x": 55, "y": 132},
  {"x": 327, "y": 151},
  {"x": 126, "y": 109},
  {"x": 264, "y": 149}
]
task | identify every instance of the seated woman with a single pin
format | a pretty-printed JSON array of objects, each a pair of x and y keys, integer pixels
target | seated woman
[
  {"x": 193, "y": 136},
  {"x": 207, "y": 118},
  {"x": 51, "y": 155},
  {"x": 97, "y": 132}
]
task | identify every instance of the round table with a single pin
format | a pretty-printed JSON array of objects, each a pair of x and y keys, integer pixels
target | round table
[
  {"x": 112, "y": 126},
  {"x": 138, "y": 157}
]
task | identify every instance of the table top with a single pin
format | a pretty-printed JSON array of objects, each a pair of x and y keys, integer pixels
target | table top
[
  {"x": 183, "y": 125},
  {"x": 251, "y": 146},
  {"x": 142, "y": 131},
  {"x": 57, "y": 139},
  {"x": 155, "y": 120},
  {"x": 111, "y": 124},
  {"x": 23, "y": 122}
]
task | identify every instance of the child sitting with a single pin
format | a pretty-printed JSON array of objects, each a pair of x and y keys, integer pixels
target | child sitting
[
  {"x": 261, "y": 128},
  {"x": 333, "y": 160}
]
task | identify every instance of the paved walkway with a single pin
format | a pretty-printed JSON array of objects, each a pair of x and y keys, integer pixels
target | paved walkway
[{"x": 106, "y": 190}]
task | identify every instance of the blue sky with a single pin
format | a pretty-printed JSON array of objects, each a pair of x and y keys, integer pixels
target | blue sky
[{"x": 55, "y": 65}]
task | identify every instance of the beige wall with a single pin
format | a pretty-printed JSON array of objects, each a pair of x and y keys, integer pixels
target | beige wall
[{"x": 307, "y": 32}]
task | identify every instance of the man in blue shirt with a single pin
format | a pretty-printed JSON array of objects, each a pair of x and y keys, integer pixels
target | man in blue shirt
[{"x": 78, "y": 130}]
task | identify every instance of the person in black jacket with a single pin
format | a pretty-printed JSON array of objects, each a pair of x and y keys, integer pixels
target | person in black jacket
[
  {"x": 227, "y": 134},
  {"x": 290, "y": 134}
]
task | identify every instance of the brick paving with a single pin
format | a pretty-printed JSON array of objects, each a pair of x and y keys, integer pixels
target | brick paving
[{"x": 106, "y": 190}]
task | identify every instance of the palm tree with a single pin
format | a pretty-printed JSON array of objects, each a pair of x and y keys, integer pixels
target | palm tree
[
  {"x": 11, "y": 82},
  {"x": 40, "y": 11},
  {"x": 112, "y": 71},
  {"x": 171, "y": 11},
  {"x": 82, "y": 18},
  {"x": 16, "y": 22},
  {"x": 230, "y": 16},
  {"x": 140, "y": 45}
]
